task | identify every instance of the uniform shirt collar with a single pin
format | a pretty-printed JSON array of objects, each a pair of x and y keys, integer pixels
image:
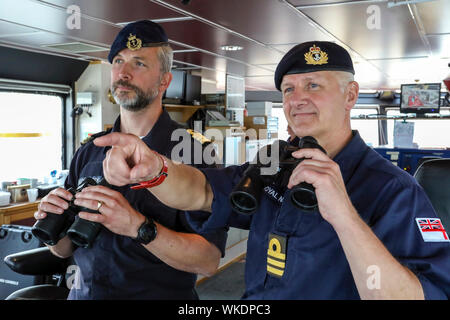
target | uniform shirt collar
[{"x": 351, "y": 155}]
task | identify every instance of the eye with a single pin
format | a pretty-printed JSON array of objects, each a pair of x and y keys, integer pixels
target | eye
[
  {"x": 140, "y": 64},
  {"x": 117, "y": 61},
  {"x": 287, "y": 90},
  {"x": 313, "y": 85}
]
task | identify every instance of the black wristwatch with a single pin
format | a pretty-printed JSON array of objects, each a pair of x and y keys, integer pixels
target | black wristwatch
[{"x": 146, "y": 232}]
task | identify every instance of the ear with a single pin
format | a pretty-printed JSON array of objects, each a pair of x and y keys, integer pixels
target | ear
[
  {"x": 352, "y": 95},
  {"x": 165, "y": 81}
]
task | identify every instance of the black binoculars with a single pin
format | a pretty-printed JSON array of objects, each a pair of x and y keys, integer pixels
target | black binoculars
[
  {"x": 246, "y": 195},
  {"x": 82, "y": 232}
]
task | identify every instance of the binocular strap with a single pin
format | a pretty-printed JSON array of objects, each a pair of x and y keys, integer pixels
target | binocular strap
[{"x": 275, "y": 193}]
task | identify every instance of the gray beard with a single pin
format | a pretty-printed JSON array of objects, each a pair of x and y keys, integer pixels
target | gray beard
[{"x": 139, "y": 102}]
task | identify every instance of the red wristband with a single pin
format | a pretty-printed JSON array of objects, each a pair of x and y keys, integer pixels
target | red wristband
[{"x": 156, "y": 181}]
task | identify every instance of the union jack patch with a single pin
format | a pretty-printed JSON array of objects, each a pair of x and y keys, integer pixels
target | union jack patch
[{"x": 432, "y": 230}]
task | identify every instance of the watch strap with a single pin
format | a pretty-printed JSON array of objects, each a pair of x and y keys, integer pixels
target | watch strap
[{"x": 156, "y": 181}]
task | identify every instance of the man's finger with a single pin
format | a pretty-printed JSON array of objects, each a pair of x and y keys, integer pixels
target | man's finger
[
  {"x": 60, "y": 193},
  {"x": 115, "y": 167},
  {"x": 315, "y": 154},
  {"x": 98, "y": 191},
  {"x": 40, "y": 215},
  {"x": 48, "y": 207},
  {"x": 115, "y": 139},
  {"x": 94, "y": 217}
]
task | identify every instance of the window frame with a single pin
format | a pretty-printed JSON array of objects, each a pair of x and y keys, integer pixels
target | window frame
[{"x": 65, "y": 105}]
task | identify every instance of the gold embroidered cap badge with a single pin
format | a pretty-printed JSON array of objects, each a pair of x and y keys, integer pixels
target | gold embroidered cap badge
[
  {"x": 134, "y": 43},
  {"x": 315, "y": 56}
]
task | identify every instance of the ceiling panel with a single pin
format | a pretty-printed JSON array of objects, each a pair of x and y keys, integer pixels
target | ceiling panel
[
  {"x": 408, "y": 70},
  {"x": 428, "y": 12},
  {"x": 40, "y": 39},
  {"x": 117, "y": 11},
  {"x": 212, "y": 39},
  {"x": 53, "y": 20},
  {"x": 267, "y": 21},
  {"x": 8, "y": 29},
  {"x": 440, "y": 45},
  {"x": 351, "y": 24},
  {"x": 211, "y": 62},
  {"x": 266, "y": 29},
  {"x": 314, "y": 2}
]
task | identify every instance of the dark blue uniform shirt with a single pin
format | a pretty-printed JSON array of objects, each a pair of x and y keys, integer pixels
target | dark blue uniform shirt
[
  {"x": 314, "y": 265},
  {"x": 117, "y": 267}
]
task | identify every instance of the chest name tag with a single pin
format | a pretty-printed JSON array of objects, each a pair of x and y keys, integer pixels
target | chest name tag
[
  {"x": 274, "y": 194},
  {"x": 276, "y": 255}
]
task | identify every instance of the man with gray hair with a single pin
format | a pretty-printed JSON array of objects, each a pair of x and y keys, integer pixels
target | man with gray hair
[
  {"x": 146, "y": 250},
  {"x": 366, "y": 237}
]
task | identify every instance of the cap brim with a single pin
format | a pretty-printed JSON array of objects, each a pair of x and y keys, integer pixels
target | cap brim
[{"x": 318, "y": 68}]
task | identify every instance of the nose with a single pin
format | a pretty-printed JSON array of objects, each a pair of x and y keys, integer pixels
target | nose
[
  {"x": 125, "y": 71},
  {"x": 298, "y": 98}
]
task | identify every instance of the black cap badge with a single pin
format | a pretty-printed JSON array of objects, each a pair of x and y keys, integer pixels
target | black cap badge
[
  {"x": 134, "y": 43},
  {"x": 316, "y": 56}
]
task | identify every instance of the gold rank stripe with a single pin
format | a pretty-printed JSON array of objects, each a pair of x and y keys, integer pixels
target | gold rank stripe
[
  {"x": 198, "y": 136},
  {"x": 276, "y": 263},
  {"x": 278, "y": 255},
  {"x": 275, "y": 271},
  {"x": 23, "y": 135},
  {"x": 275, "y": 267}
]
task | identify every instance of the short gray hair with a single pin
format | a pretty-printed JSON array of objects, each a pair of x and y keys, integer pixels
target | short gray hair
[
  {"x": 165, "y": 56},
  {"x": 344, "y": 78}
]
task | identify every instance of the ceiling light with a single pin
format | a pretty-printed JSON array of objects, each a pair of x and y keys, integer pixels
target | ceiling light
[{"x": 231, "y": 48}]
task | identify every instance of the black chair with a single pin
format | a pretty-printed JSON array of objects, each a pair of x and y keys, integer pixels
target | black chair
[
  {"x": 39, "y": 261},
  {"x": 434, "y": 177}
]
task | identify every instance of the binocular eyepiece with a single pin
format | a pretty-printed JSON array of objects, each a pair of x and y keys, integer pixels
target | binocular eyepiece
[
  {"x": 246, "y": 195},
  {"x": 54, "y": 227}
]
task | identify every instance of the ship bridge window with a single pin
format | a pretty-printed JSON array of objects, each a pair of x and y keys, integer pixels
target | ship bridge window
[
  {"x": 31, "y": 135},
  {"x": 428, "y": 133},
  {"x": 368, "y": 129}
]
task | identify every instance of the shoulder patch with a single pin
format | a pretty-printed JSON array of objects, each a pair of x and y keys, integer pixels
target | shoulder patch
[
  {"x": 198, "y": 136},
  {"x": 96, "y": 135},
  {"x": 432, "y": 230}
]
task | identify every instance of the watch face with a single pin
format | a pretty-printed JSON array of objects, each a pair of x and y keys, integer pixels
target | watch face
[{"x": 147, "y": 232}]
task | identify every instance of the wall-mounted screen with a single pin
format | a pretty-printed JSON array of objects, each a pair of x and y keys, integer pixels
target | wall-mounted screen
[
  {"x": 420, "y": 98},
  {"x": 193, "y": 89},
  {"x": 175, "y": 91}
]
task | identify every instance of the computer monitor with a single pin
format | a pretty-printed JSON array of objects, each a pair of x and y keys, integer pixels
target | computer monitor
[
  {"x": 420, "y": 98},
  {"x": 193, "y": 89},
  {"x": 175, "y": 91}
]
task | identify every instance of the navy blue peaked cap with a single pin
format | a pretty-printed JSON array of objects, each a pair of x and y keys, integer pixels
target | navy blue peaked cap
[
  {"x": 138, "y": 34},
  {"x": 313, "y": 56}
]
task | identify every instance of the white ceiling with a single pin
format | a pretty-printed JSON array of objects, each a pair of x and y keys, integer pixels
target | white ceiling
[{"x": 390, "y": 42}]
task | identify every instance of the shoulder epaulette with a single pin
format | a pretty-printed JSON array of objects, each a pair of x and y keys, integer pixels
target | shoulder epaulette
[
  {"x": 96, "y": 135},
  {"x": 198, "y": 136}
]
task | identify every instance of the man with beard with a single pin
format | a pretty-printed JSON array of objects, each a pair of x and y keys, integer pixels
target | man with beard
[{"x": 146, "y": 250}]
